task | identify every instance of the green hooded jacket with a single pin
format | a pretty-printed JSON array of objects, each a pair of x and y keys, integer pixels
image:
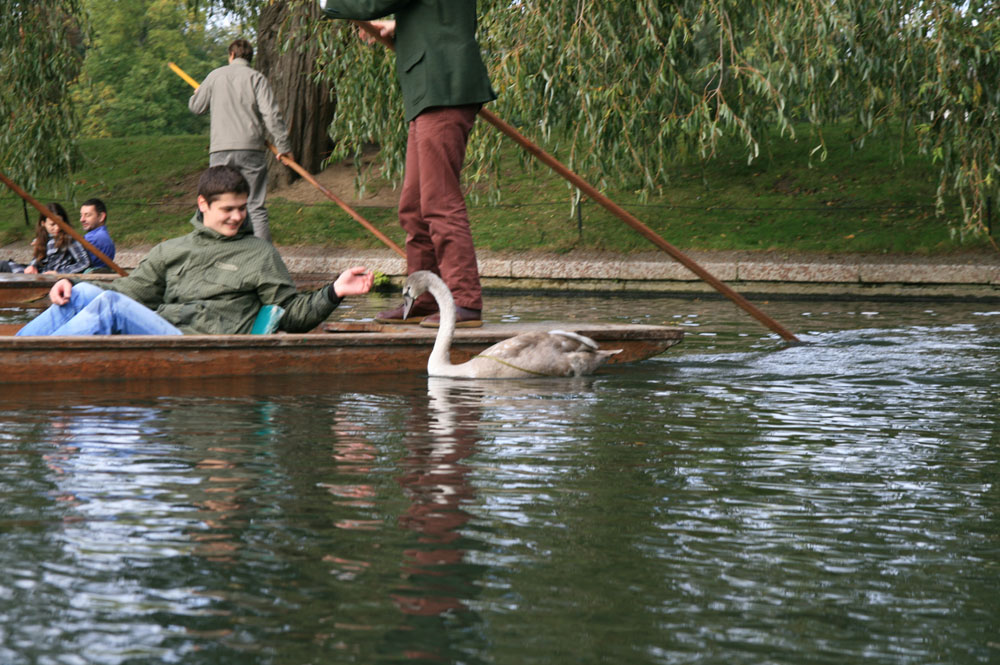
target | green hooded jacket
[
  {"x": 206, "y": 283},
  {"x": 438, "y": 62}
]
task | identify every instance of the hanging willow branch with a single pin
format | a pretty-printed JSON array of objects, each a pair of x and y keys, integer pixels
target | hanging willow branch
[
  {"x": 40, "y": 55},
  {"x": 622, "y": 90}
]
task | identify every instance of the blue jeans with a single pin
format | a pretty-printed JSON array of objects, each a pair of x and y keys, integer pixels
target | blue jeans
[{"x": 93, "y": 311}]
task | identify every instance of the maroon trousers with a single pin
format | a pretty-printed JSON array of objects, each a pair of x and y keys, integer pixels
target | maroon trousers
[{"x": 432, "y": 205}]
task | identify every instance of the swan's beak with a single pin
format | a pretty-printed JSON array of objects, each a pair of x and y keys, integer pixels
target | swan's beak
[{"x": 407, "y": 304}]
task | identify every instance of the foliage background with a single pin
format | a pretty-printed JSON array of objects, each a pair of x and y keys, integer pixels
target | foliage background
[
  {"x": 40, "y": 55},
  {"x": 625, "y": 91},
  {"x": 125, "y": 88}
]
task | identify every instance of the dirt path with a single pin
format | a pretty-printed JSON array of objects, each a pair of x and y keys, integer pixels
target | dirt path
[{"x": 340, "y": 178}]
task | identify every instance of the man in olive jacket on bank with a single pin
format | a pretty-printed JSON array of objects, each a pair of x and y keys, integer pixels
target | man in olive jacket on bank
[
  {"x": 444, "y": 84},
  {"x": 213, "y": 280}
]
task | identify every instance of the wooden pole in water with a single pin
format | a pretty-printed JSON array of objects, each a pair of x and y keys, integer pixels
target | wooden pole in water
[
  {"x": 615, "y": 209},
  {"x": 292, "y": 164},
  {"x": 644, "y": 230},
  {"x": 62, "y": 225}
]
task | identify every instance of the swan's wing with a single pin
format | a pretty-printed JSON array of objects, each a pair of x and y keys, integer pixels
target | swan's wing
[
  {"x": 556, "y": 353},
  {"x": 577, "y": 336}
]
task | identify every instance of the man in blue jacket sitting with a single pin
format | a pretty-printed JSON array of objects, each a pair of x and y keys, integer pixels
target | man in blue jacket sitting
[{"x": 93, "y": 219}]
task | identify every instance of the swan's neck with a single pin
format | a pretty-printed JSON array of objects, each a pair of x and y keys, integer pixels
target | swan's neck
[{"x": 440, "y": 357}]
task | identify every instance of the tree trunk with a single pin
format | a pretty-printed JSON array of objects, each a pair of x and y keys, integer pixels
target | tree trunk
[{"x": 306, "y": 106}]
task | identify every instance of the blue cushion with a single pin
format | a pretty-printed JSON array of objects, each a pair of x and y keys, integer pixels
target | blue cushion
[{"x": 267, "y": 320}]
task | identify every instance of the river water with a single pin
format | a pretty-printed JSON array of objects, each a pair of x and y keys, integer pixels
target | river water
[{"x": 735, "y": 500}]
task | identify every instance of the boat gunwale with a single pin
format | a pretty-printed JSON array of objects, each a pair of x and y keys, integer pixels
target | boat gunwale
[{"x": 330, "y": 335}]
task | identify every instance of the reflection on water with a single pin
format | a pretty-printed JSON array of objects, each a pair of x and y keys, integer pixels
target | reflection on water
[{"x": 732, "y": 501}]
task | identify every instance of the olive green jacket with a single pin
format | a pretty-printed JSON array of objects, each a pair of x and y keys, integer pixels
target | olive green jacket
[
  {"x": 438, "y": 62},
  {"x": 208, "y": 283}
]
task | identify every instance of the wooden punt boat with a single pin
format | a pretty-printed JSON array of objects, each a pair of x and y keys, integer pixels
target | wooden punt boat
[{"x": 336, "y": 348}]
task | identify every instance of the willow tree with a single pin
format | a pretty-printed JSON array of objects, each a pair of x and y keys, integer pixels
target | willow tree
[
  {"x": 40, "y": 55},
  {"x": 621, "y": 90},
  {"x": 124, "y": 88},
  {"x": 286, "y": 55}
]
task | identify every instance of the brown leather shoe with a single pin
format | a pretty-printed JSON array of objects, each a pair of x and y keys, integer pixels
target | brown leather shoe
[
  {"x": 464, "y": 318},
  {"x": 416, "y": 315}
]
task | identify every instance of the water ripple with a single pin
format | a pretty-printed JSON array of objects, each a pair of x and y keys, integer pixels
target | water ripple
[{"x": 735, "y": 500}]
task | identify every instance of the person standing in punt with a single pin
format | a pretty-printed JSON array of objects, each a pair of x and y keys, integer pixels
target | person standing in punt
[{"x": 444, "y": 83}]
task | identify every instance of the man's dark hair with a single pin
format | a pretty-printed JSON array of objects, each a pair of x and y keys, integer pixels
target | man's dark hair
[
  {"x": 241, "y": 48},
  {"x": 219, "y": 180},
  {"x": 98, "y": 204}
]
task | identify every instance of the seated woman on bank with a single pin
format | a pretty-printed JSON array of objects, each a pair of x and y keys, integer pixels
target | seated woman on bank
[
  {"x": 214, "y": 280},
  {"x": 55, "y": 250}
]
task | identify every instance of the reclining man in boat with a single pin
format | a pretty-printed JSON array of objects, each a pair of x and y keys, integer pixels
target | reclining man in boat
[{"x": 214, "y": 280}]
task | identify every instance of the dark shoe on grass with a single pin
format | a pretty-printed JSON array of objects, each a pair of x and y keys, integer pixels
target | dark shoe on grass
[{"x": 464, "y": 318}]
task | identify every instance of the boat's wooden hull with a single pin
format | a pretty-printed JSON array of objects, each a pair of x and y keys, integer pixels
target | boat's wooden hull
[
  {"x": 30, "y": 291},
  {"x": 343, "y": 348}
]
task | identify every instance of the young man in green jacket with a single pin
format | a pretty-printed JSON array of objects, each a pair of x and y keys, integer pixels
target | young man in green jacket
[
  {"x": 444, "y": 84},
  {"x": 214, "y": 280}
]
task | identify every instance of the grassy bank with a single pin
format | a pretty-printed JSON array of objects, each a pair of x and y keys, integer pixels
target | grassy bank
[{"x": 855, "y": 201}]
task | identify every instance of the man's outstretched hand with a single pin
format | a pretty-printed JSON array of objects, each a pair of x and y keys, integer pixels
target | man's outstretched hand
[{"x": 353, "y": 282}]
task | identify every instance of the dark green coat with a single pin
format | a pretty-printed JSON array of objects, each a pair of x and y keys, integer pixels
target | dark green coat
[
  {"x": 206, "y": 283},
  {"x": 437, "y": 57}
]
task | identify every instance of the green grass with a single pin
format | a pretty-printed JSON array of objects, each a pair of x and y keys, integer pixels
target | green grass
[
  {"x": 855, "y": 201},
  {"x": 146, "y": 183}
]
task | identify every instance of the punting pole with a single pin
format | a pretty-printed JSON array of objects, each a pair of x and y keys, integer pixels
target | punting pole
[
  {"x": 615, "y": 209},
  {"x": 305, "y": 174},
  {"x": 63, "y": 225}
]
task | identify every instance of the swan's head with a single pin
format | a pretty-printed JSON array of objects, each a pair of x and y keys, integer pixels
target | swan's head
[{"x": 415, "y": 286}]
